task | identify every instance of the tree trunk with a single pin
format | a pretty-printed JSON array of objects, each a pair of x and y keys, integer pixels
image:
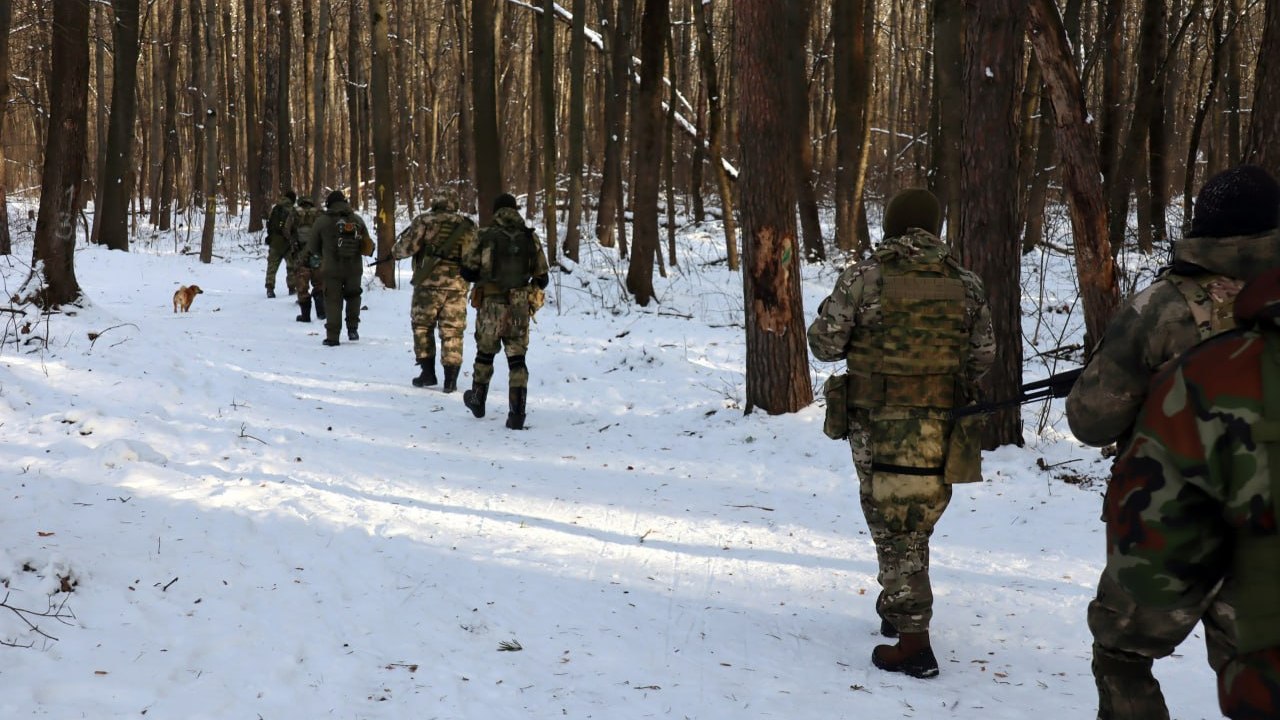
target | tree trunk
[
  {"x": 114, "y": 227},
  {"x": 320, "y": 96},
  {"x": 284, "y": 123},
  {"x": 484, "y": 116},
  {"x": 577, "y": 127},
  {"x": 647, "y": 119},
  {"x": 617, "y": 90},
  {"x": 384, "y": 163},
  {"x": 172, "y": 160},
  {"x": 1264, "y": 121},
  {"x": 269, "y": 173},
  {"x": 355, "y": 81},
  {"x": 777, "y": 357},
  {"x": 852, "y": 67},
  {"x": 988, "y": 233},
  {"x": 715, "y": 125},
  {"x": 6, "y": 20},
  {"x": 547, "y": 48},
  {"x": 210, "y": 107},
  {"x": 802, "y": 157},
  {"x": 52, "y": 282},
  {"x": 253, "y": 135}
]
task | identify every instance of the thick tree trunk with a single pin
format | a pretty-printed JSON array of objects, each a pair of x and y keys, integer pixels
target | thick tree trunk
[
  {"x": 647, "y": 123},
  {"x": 284, "y": 123},
  {"x": 852, "y": 69},
  {"x": 172, "y": 160},
  {"x": 6, "y": 20},
  {"x": 355, "y": 123},
  {"x": 1264, "y": 122},
  {"x": 617, "y": 90},
  {"x": 987, "y": 237},
  {"x": 253, "y": 133},
  {"x": 802, "y": 157},
  {"x": 114, "y": 226},
  {"x": 384, "y": 163},
  {"x": 777, "y": 356},
  {"x": 53, "y": 277},
  {"x": 547, "y": 67},
  {"x": 269, "y": 172},
  {"x": 210, "y": 108},
  {"x": 320, "y": 96},
  {"x": 484, "y": 116}
]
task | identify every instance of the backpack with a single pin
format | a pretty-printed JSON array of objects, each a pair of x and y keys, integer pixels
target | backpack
[
  {"x": 348, "y": 237},
  {"x": 304, "y": 217},
  {"x": 511, "y": 256},
  {"x": 276, "y": 220}
]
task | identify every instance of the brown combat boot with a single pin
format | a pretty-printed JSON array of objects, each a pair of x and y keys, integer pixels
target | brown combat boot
[{"x": 911, "y": 656}]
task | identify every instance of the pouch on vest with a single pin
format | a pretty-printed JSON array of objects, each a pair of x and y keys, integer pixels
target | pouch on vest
[
  {"x": 964, "y": 451},
  {"x": 907, "y": 443},
  {"x": 836, "y": 423},
  {"x": 350, "y": 244}
]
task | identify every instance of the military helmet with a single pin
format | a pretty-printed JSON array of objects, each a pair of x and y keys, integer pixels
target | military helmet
[
  {"x": 445, "y": 199},
  {"x": 912, "y": 208}
]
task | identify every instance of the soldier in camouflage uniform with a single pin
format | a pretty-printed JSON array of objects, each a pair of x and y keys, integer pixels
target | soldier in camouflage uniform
[
  {"x": 278, "y": 241},
  {"x": 506, "y": 263},
  {"x": 1192, "y": 513},
  {"x": 299, "y": 229},
  {"x": 436, "y": 241},
  {"x": 1232, "y": 239},
  {"x": 915, "y": 331},
  {"x": 340, "y": 265}
]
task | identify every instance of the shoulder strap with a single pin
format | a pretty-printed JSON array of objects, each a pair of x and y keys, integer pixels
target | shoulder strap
[{"x": 429, "y": 264}]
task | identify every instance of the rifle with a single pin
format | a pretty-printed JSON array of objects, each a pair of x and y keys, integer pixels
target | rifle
[
  {"x": 384, "y": 259},
  {"x": 1054, "y": 386}
]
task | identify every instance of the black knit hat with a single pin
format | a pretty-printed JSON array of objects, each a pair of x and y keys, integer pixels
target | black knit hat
[
  {"x": 505, "y": 200},
  {"x": 1244, "y": 200},
  {"x": 335, "y": 197},
  {"x": 912, "y": 208},
  {"x": 293, "y": 196}
]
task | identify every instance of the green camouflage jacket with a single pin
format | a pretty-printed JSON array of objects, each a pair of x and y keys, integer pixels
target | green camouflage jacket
[
  {"x": 855, "y": 302},
  {"x": 1154, "y": 327},
  {"x": 1196, "y": 485},
  {"x": 476, "y": 256},
  {"x": 421, "y": 237}
]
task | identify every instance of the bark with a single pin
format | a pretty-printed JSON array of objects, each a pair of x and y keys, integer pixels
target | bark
[
  {"x": 384, "y": 163},
  {"x": 987, "y": 238},
  {"x": 852, "y": 67},
  {"x": 284, "y": 123},
  {"x": 617, "y": 85},
  {"x": 577, "y": 127},
  {"x": 1264, "y": 121},
  {"x": 777, "y": 372},
  {"x": 715, "y": 125},
  {"x": 6, "y": 20},
  {"x": 210, "y": 113},
  {"x": 253, "y": 136},
  {"x": 320, "y": 97},
  {"x": 802, "y": 156},
  {"x": 53, "y": 277},
  {"x": 269, "y": 170},
  {"x": 114, "y": 227},
  {"x": 172, "y": 160},
  {"x": 488, "y": 144},
  {"x": 547, "y": 68},
  {"x": 647, "y": 119}
]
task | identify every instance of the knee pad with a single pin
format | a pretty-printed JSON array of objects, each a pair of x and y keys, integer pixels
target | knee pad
[
  {"x": 484, "y": 358},
  {"x": 515, "y": 362}
]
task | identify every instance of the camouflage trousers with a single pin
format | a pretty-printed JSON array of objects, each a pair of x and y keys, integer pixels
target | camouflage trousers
[
  {"x": 277, "y": 252},
  {"x": 502, "y": 323},
  {"x": 305, "y": 280},
  {"x": 1128, "y": 638},
  {"x": 901, "y": 512},
  {"x": 441, "y": 307}
]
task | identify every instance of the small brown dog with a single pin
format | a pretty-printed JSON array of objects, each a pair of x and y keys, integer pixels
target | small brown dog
[{"x": 184, "y": 296}]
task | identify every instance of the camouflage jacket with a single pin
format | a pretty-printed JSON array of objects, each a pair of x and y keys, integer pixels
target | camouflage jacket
[
  {"x": 300, "y": 226},
  {"x": 476, "y": 257},
  {"x": 1156, "y": 326},
  {"x": 278, "y": 218},
  {"x": 421, "y": 241},
  {"x": 1197, "y": 484},
  {"x": 855, "y": 302}
]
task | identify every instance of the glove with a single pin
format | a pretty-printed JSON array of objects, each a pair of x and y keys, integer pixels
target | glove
[
  {"x": 470, "y": 275},
  {"x": 313, "y": 262},
  {"x": 541, "y": 281}
]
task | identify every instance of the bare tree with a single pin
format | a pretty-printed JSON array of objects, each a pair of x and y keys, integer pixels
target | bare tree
[
  {"x": 209, "y": 112},
  {"x": 1264, "y": 122},
  {"x": 384, "y": 164},
  {"x": 715, "y": 124},
  {"x": 488, "y": 145},
  {"x": 6, "y": 19},
  {"x": 124, "y": 111},
  {"x": 766, "y": 60},
  {"x": 52, "y": 282},
  {"x": 320, "y": 96},
  {"x": 647, "y": 124}
]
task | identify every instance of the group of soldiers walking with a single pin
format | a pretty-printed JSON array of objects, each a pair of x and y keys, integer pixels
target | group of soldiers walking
[
  {"x": 1186, "y": 385},
  {"x": 503, "y": 265}
]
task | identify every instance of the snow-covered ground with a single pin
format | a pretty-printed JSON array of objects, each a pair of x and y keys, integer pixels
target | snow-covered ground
[{"x": 252, "y": 525}]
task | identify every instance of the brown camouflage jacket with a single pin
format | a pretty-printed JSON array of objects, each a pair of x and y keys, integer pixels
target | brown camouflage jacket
[
  {"x": 1156, "y": 326},
  {"x": 422, "y": 236}
]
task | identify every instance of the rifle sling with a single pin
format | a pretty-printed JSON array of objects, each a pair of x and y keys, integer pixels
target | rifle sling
[{"x": 428, "y": 265}]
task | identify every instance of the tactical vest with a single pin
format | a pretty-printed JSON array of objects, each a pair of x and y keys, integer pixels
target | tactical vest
[
  {"x": 1256, "y": 560},
  {"x": 905, "y": 369},
  {"x": 511, "y": 257},
  {"x": 348, "y": 237},
  {"x": 1211, "y": 300},
  {"x": 304, "y": 218},
  {"x": 439, "y": 246}
]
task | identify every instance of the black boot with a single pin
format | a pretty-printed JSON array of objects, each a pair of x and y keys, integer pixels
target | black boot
[
  {"x": 474, "y": 398},
  {"x": 515, "y": 413},
  {"x": 271, "y": 292},
  {"x": 352, "y": 335},
  {"x": 319, "y": 303},
  {"x": 887, "y": 629},
  {"x": 427, "y": 377},
  {"x": 450, "y": 378},
  {"x": 911, "y": 656},
  {"x": 305, "y": 315}
]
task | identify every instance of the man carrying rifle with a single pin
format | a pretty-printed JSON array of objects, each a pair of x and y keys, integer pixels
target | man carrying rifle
[
  {"x": 1232, "y": 240},
  {"x": 437, "y": 240},
  {"x": 915, "y": 331}
]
